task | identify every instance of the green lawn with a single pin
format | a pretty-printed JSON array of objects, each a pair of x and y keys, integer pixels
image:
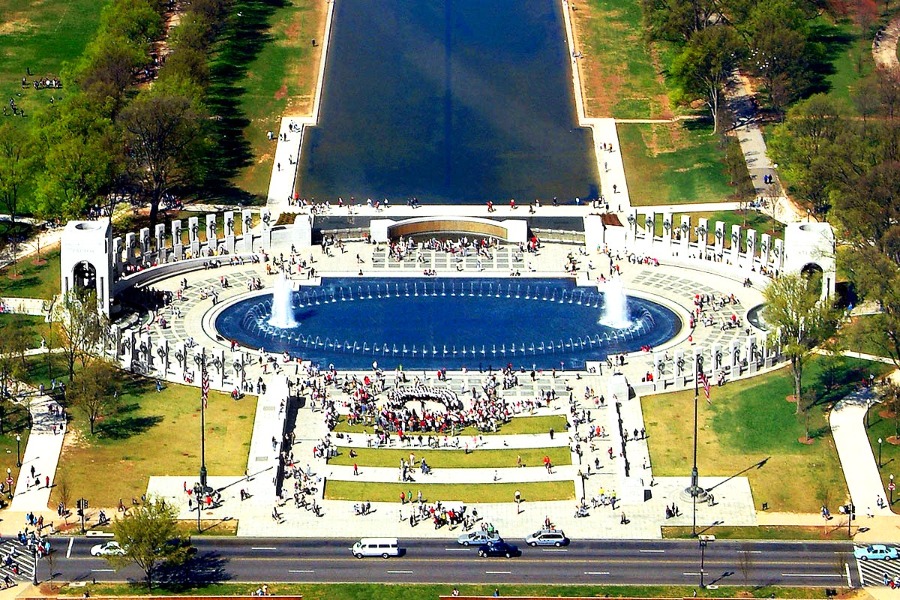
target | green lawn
[
  {"x": 850, "y": 53},
  {"x": 831, "y": 531},
  {"x": 28, "y": 280},
  {"x": 382, "y": 591},
  {"x": 673, "y": 164},
  {"x": 516, "y": 426},
  {"x": 35, "y": 327},
  {"x": 470, "y": 493},
  {"x": 266, "y": 67},
  {"x": 43, "y": 37},
  {"x": 454, "y": 459},
  {"x": 884, "y": 425},
  {"x": 153, "y": 433},
  {"x": 749, "y": 421},
  {"x": 622, "y": 72}
]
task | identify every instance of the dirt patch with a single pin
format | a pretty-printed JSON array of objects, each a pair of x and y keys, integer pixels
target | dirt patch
[
  {"x": 807, "y": 441},
  {"x": 792, "y": 399},
  {"x": 893, "y": 440},
  {"x": 13, "y": 24},
  {"x": 282, "y": 92},
  {"x": 292, "y": 31}
]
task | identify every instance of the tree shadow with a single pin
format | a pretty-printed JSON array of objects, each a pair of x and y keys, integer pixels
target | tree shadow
[
  {"x": 241, "y": 42},
  {"x": 197, "y": 571},
  {"x": 829, "y": 41},
  {"x": 124, "y": 428}
]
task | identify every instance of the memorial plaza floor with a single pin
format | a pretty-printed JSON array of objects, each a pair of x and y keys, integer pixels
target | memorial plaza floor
[{"x": 673, "y": 286}]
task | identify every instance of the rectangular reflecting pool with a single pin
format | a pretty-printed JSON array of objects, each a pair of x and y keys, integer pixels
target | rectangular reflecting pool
[{"x": 460, "y": 101}]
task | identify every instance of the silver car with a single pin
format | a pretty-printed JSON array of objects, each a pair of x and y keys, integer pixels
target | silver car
[
  {"x": 547, "y": 537},
  {"x": 478, "y": 538}
]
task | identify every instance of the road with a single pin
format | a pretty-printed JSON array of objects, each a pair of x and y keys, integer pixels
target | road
[{"x": 820, "y": 564}]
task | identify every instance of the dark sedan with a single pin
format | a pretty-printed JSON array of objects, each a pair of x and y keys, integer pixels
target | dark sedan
[{"x": 498, "y": 549}]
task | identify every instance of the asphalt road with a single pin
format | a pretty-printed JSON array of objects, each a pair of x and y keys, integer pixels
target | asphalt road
[{"x": 820, "y": 564}]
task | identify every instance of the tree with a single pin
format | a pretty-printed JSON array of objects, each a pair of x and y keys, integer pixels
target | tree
[
  {"x": 149, "y": 536},
  {"x": 705, "y": 64},
  {"x": 95, "y": 392},
  {"x": 800, "y": 321},
  {"x": 81, "y": 326},
  {"x": 165, "y": 144},
  {"x": 18, "y": 162},
  {"x": 83, "y": 159}
]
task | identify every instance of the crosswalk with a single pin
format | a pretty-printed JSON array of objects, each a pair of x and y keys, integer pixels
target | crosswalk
[
  {"x": 872, "y": 572},
  {"x": 21, "y": 563}
]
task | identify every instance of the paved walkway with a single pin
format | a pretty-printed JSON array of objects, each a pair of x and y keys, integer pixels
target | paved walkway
[
  {"x": 41, "y": 456},
  {"x": 884, "y": 46}
]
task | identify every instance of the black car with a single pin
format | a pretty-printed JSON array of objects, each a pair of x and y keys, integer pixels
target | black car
[{"x": 500, "y": 548}]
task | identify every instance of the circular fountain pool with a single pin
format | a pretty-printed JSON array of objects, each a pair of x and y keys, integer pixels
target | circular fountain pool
[{"x": 452, "y": 323}]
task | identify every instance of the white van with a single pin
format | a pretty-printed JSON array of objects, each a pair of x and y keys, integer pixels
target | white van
[{"x": 383, "y": 547}]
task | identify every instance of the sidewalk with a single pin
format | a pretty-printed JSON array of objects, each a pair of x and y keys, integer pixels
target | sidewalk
[{"x": 41, "y": 457}]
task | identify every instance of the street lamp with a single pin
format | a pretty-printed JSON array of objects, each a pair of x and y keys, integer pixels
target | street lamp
[
  {"x": 808, "y": 213},
  {"x": 18, "y": 450},
  {"x": 694, "y": 490},
  {"x": 880, "y": 442},
  {"x": 9, "y": 482},
  {"x": 891, "y": 487},
  {"x": 704, "y": 540}
]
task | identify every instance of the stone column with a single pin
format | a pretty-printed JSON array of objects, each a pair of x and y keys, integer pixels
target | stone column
[
  {"x": 246, "y": 223},
  {"x": 181, "y": 359},
  {"x": 716, "y": 358},
  {"x": 117, "y": 255},
  {"x": 720, "y": 240},
  {"x": 702, "y": 244},
  {"x": 229, "y": 231},
  {"x": 145, "y": 243},
  {"x": 685, "y": 232},
  {"x": 649, "y": 230},
  {"x": 657, "y": 367},
  {"x": 212, "y": 240},
  {"x": 194, "y": 236},
  {"x": 752, "y": 353},
  {"x": 220, "y": 371},
  {"x": 779, "y": 256},
  {"x": 751, "y": 248},
  {"x": 162, "y": 350},
  {"x": 177, "y": 245},
  {"x": 735, "y": 245},
  {"x": 680, "y": 369},
  {"x": 734, "y": 358},
  {"x": 267, "y": 221},
  {"x": 159, "y": 234},
  {"x": 130, "y": 247},
  {"x": 765, "y": 246}
]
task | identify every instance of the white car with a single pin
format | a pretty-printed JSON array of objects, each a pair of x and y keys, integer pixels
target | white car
[{"x": 107, "y": 549}]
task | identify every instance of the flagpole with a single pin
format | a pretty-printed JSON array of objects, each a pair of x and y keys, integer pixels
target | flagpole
[
  {"x": 694, "y": 490},
  {"x": 204, "y": 391}
]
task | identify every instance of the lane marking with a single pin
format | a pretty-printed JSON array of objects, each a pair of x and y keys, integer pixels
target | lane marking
[
  {"x": 69, "y": 551},
  {"x": 498, "y": 572},
  {"x": 263, "y": 548},
  {"x": 103, "y": 570},
  {"x": 456, "y": 549},
  {"x": 300, "y": 571},
  {"x": 692, "y": 574},
  {"x": 554, "y": 549},
  {"x": 652, "y": 551},
  {"x": 849, "y": 581},
  {"x": 401, "y": 572},
  {"x": 838, "y": 575},
  {"x": 596, "y": 572}
]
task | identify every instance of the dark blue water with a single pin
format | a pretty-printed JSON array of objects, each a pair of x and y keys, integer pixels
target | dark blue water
[
  {"x": 459, "y": 101},
  {"x": 453, "y": 323}
]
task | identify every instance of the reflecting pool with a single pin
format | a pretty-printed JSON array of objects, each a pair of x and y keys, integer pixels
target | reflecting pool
[{"x": 452, "y": 323}]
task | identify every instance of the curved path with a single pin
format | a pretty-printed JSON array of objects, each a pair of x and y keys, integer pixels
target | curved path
[{"x": 884, "y": 47}]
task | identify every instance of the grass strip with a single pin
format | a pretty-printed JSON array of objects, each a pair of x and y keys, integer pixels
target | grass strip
[
  {"x": 453, "y": 459},
  {"x": 764, "y": 532},
  {"x": 470, "y": 493},
  {"x": 383, "y": 591}
]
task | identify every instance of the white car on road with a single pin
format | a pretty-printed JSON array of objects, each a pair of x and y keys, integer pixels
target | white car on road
[{"x": 107, "y": 549}]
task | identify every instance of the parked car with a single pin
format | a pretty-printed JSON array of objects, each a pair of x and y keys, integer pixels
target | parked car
[
  {"x": 875, "y": 552},
  {"x": 478, "y": 538},
  {"x": 547, "y": 537},
  {"x": 500, "y": 548},
  {"x": 107, "y": 549}
]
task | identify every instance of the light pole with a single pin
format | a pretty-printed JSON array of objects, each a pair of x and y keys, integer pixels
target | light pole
[
  {"x": 891, "y": 487},
  {"x": 18, "y": 450},
  {"x": 880, "y": 442},
  {"x": 9, "y": 482},
  {"x": 808, "y": 213},
  {"x": 694, "y": 489},
  {"x": 204, "y": 392},
  {"x": 704, "y": 540}
]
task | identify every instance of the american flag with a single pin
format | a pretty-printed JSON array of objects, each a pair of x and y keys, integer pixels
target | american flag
[
  {"x": 705, "y": 381},
  {"x": 204, "y": 382}
]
